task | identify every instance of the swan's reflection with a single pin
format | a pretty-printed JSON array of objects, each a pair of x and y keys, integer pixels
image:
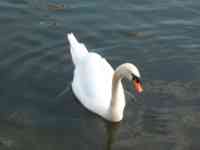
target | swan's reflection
[{"x": 111, "y": 130}]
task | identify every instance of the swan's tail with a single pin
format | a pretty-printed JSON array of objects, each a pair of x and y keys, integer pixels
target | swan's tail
[{"x": 78, "y": 50}]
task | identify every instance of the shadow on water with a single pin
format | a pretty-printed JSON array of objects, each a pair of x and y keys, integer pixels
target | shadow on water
[{"x": 111, "y": 130}]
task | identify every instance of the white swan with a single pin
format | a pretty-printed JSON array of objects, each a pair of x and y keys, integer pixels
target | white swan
[{"x": 96, "y": 85}]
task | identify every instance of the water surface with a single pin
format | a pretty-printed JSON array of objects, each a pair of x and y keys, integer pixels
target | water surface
[{"x": 37, "y": 107}]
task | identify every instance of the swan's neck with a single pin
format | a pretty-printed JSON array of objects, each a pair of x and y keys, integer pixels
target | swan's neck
[{"x": 118, "y": 98}]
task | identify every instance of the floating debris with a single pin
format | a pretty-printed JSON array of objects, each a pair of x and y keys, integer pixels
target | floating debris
[
  {"x": 56, "y": 7},
  {"x": 136, "y": 34}
]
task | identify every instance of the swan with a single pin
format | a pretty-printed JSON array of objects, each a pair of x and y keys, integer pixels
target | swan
[{"x": 97, "y": 85}]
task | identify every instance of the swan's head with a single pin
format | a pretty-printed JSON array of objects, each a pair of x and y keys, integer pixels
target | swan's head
[{"x": 132, "y": 73}]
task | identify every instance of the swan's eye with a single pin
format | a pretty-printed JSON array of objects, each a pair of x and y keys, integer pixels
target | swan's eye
[{"x": 135, "y": 78}]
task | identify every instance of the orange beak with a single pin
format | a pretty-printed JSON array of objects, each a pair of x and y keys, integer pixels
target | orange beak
[{"x": 138, "y": 86}]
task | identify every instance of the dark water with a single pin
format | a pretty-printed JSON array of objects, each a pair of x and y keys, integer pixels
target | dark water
[{"x": 37, "y": 108}]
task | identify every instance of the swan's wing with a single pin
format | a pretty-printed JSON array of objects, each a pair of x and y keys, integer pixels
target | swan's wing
[{"x": 92, "y": 82}]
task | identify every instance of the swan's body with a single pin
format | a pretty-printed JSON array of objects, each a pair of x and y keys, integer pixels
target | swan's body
[{"x": 96, "y": 85}]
